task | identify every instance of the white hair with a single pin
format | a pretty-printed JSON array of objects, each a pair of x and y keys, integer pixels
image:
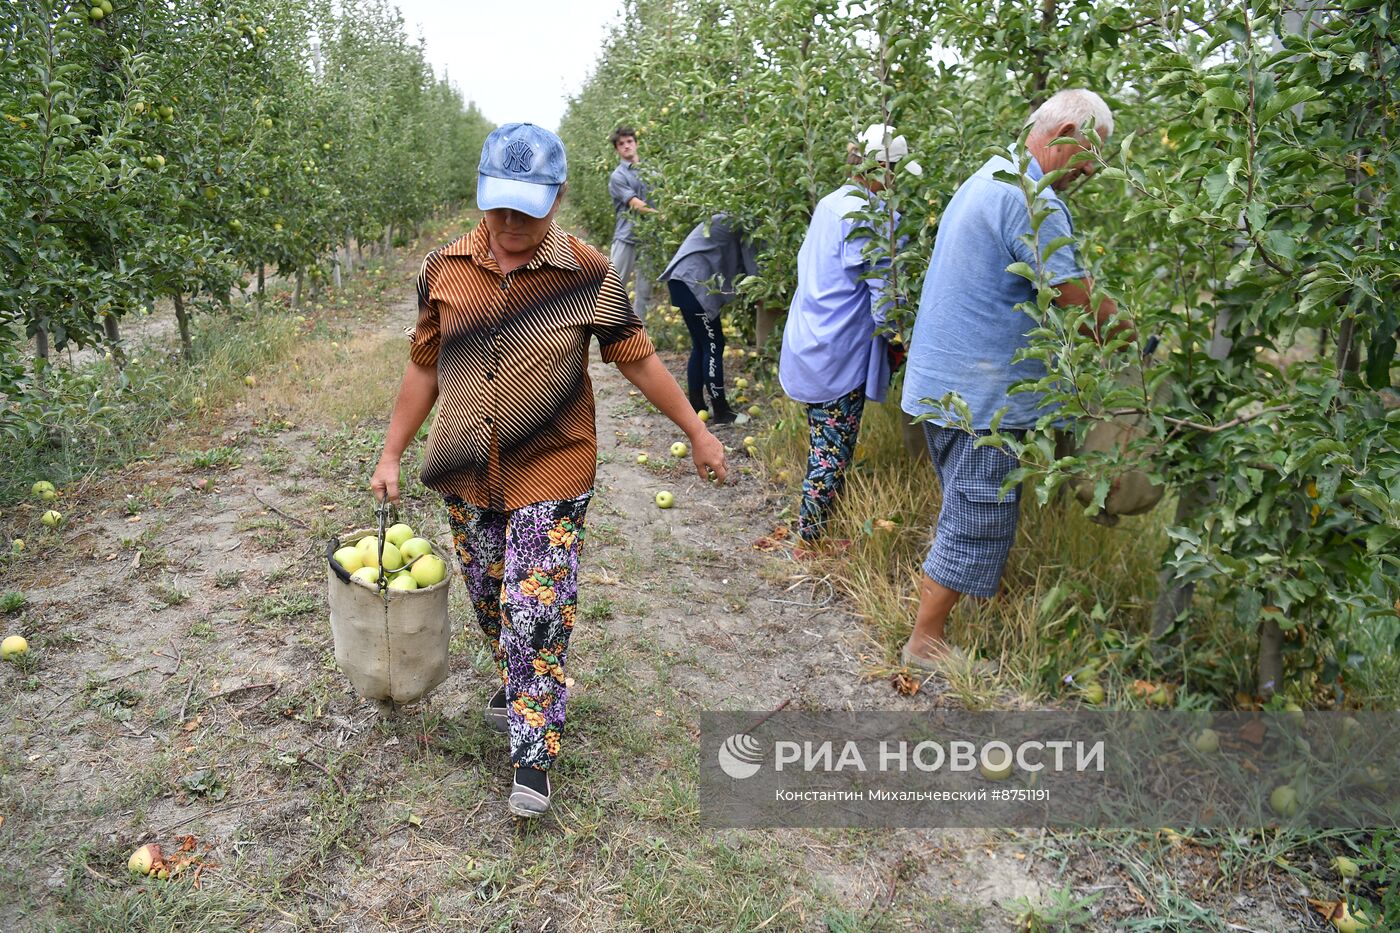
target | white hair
[{"x": 1073, "y": 105}]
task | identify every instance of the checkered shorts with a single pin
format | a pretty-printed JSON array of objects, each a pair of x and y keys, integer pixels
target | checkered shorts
[{"x": 976, "y": 525}]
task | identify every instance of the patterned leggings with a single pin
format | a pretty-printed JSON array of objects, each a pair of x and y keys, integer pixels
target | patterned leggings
[
  {"x": 833, "y": 426},
  {"x": 521, "y": 570}
]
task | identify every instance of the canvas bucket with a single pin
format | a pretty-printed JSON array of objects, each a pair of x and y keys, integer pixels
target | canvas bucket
[{"x": 391, "y": 644}]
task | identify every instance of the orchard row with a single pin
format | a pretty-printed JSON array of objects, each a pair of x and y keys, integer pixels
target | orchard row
[
  {"x": 1244, "y": 212},
  {"x": 178, "y": 150}
]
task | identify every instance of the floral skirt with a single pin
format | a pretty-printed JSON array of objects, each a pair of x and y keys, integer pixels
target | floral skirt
[
  {"x": 521, "y": 570},
  {"x": 833, "y": 427}
]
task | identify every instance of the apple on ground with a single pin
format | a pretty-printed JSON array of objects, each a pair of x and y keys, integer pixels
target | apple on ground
[
  {"x": 678, "y": 449},
  {"x": 1207, "y": 742},
  {"x": 398, "y": 534},
  {"x": 664, "y": 499},
  {"x": 428, "y": 570},
  {"x": 1093, "y": 693},
  {"x": 642, "y": 459},
  {"x": 1345, "y": 867},
  {"x": 13, "y": 646},
  {"x": 1284, "y": 800},
  {"x": 43, "y": 489},
  {"x": 350, "y": 559},
  {"x": 17, "y": 545},
  {"x": 704, "y": 415},
  {"x": 146, "y": 859},
  {"x": 995, "y": 764},
  {"x": 52, "y": 518},
  {"x": 250, "y": 380},
  {"x": 750, "y": 441},
  {"x": 755, "y": 411}
]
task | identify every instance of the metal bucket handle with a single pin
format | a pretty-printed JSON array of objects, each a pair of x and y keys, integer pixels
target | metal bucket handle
[{"x": 386, "y": 513}]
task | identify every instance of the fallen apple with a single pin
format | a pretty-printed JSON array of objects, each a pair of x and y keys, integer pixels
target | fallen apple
[
  {"x": 741, "y": 383},
  {"x": 17, "y": 545},
  {"x": 13, "y": 646},
  {"x": 369, "y": 576},
  {"x": 996, "y": 763},
  {"x": 678, "y": 449},
  {"x": 43, "y": 489},
  {"x": 1092, "y": 693},
  {"x": 664, "y": 500},
  {"x": 250, "y": 380},
  {"x": 350, "y": 559},
  {"x": 1160, "y": 697},
  {"x": 428, "y": 570},
  {"x": 398, "y": 534},
  {"x": 750, "y": 441},
  {"x": 1350, "y": 922},
  {"x": 704, "y": 415},
  {"x": 1207, "y": 742},
  {"x": 1345, "y": 867},
  {"x": 755, "y": 411},
  {"x": 752, "y": 452},
  {"x": 1295, "y": 713},
  {"x": 52, "y": 518},
  {"x": 783, "y": 476},
  {"x": 414, "y": 548},
  {"x": 145, "y": 859},
  {"x": 642, "y": 459},
  {"x": 1284, "y": 801}
]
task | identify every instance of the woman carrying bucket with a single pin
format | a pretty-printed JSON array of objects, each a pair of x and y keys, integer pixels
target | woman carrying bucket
[{"x": 505, "y": 316}]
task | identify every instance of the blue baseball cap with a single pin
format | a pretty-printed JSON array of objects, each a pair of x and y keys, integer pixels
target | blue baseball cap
[{"x": 522, "y": 167}]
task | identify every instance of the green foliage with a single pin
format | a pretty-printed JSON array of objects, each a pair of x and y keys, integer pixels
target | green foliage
[
  {"x": 173, "y": 149},
  {"x": 1244, "y": 212}
]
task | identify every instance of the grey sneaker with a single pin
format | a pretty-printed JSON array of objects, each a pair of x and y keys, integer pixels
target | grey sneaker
[
  {"x": 527, "y": 802},
  {"x": 495, "y": 712}
]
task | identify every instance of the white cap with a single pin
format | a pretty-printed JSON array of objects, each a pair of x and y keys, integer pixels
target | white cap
[{"x": 882, "y": 145}]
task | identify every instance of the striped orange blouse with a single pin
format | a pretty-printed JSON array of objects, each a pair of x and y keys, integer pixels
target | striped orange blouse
[{"x": 515, "y": 416}]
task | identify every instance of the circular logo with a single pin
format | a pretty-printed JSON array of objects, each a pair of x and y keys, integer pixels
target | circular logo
[
  {"x": 740, "y": 756},
  {"x": 518, "y": 158}
]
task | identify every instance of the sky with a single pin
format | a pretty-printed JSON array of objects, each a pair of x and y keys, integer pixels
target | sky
[{"x": 519, "y": 61}]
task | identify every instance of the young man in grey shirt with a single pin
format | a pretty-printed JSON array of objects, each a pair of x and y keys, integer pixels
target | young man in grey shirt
[{"x": 629, "y": 194}]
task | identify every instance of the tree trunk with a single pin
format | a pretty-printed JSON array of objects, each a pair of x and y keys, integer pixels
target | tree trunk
[
  {"x": 1270, "y": 657},
  {"x": 349, "y": 256},
  {"x": 41, "y": 353},
  {"x": 296, "y": 293},
  {"x": 114, "y": 340},
  {"x": 262, "y": 280},
  {"x": 335, "y": 270},
  {"x": 764, "y": 324},
  {"x": 388, "y": 238},
  {"x": 183, "y": 319}
]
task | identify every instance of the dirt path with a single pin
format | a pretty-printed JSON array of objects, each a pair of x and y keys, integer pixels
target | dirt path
[{"x": 185, "y": 685}]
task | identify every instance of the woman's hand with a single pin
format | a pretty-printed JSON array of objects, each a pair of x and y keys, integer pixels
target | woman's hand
[
  {"x": 708, "y": 454},
  {"x": 385, "y": 483}
]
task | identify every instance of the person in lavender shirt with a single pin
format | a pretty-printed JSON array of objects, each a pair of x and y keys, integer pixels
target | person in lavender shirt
[{"x": 832, "y": 359}]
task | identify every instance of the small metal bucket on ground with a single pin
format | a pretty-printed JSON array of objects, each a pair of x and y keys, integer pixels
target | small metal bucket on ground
[{"x": 391, "y": 644}]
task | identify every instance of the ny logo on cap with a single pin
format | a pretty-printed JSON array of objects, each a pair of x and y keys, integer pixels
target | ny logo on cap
[{"x": 518, "y": 158}]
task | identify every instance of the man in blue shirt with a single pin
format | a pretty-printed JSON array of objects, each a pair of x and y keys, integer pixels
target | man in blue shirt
[
  {"x": 630, "y": 195},
  {"x": 965, "y": 336},
  {"x": 832, "y": 359}
]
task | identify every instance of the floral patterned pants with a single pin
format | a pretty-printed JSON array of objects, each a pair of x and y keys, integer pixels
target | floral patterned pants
[
  {"x": 833, "y": 427},
  {"x": 521, "y": 570}
]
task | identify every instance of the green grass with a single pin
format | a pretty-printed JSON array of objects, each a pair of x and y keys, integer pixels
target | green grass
[{"x": 97, "y": 417}]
